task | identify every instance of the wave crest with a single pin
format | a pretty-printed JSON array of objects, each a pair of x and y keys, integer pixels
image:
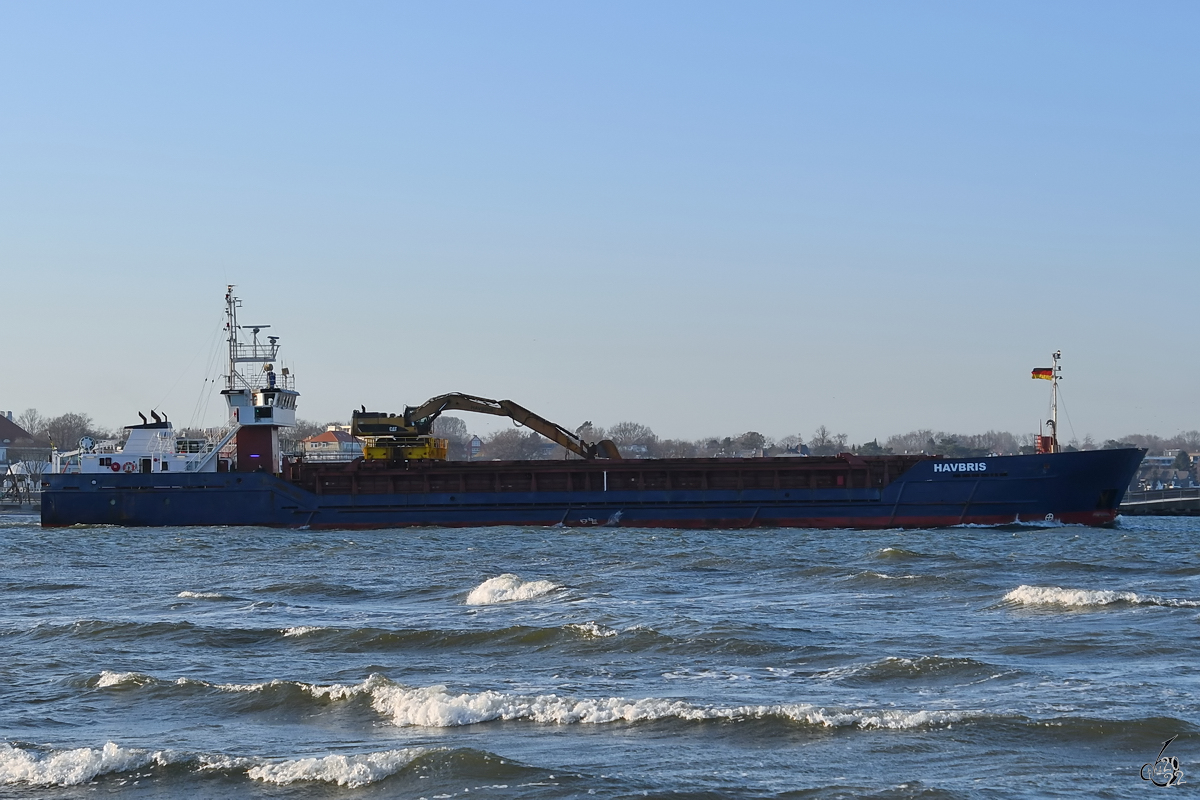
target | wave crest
[
  {"x": 1083, "y": 598},
  {"x": 82, "y": 765},
  {"x": 108, "y": 679},
  {"x": 507, "y": 588},
  {"x": 436, "y": 706},
  {"x": 71, "y": 767},
  {"x": 302, "y": 630},
  {"x": 441, "y": 707},
  {"x": 591, "y": 630},
  {"x": 350, "y": 771}
]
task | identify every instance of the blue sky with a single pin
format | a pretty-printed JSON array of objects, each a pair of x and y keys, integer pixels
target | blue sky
[{"x": 708, "y": 218}]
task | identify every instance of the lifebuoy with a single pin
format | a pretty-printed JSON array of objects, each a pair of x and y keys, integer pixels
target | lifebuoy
[
  {"x": 116, "y": 466},
  {"x": 129, "y": 466}
]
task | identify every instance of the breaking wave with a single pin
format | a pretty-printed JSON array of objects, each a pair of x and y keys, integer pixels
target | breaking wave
[
  {"x": 40, "y": 767},
  {"x": 897, "y": 553},
  {"x": 71, "y": 767},
  {"x": 109, "y": 680},
  {"x": 1083, "y": 598},
  {"x": 506, "y": 588},
  {"x": 302, "y": 630},
  {"x": 591, "y": 630},
  {"x": 351, "y": 771},
  {"x": 437, "y": 706},
  {"x": 440, "y": 707}
]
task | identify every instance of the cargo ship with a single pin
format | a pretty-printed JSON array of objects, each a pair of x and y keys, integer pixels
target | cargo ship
[{"x": 237, "y": 475}]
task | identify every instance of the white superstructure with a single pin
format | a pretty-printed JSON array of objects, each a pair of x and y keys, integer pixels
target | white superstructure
[
  {"x": 260, "y": 402},
  {"x": 151, "y": 447}
]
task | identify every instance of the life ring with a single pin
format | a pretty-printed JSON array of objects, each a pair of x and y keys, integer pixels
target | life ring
[
  {"x": 129, "y": 466},
  {"x": 116, "y": 466}
]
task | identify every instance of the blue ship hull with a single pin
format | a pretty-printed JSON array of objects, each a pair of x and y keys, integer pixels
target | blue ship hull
[{"x": 1083, "y": 487}]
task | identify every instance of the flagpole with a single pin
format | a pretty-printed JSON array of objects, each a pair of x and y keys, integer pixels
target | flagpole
[{"x": 1054, "y": 398}]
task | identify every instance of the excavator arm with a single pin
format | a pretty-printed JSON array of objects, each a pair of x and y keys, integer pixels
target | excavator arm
[{"x": 422, "y": 417}]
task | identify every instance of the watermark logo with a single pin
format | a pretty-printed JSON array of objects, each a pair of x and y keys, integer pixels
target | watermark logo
[{"x": 1164, "y": 770}]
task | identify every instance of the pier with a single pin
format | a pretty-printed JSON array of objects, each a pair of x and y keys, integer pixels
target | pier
[{"x": 1163, "y": 503}]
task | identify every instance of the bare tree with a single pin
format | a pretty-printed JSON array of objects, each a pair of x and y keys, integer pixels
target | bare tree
[
  {"x": 65, "y": 431},
  {"x": 633, "y": 439},
  {"x": 513, "y": 444},
  {"x": 911, "y": 442},
  {"x": 751, "y": 441},
  {"x": 1189, "y": 440},
  {"x": 34, "y": 424},
  {"x": 826, "y": 443},
  {"x": 631, "y": 433},
  {"x": 290, "y": 438},
  {"x": 676, "y": 448},
  {"x": 454, "y": 431},
  {"x": 590, "y": 433},
  {"x": 34, "y": 468}
]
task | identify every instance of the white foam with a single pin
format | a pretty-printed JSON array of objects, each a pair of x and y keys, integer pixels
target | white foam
[
  {"x": 332, "y": 692},
  {"x": 302, "y": 630},
  {"x": 340, "y": 691},
  {"x": 70, "y": 767},
  {"x": 506, "y": 588},
  {"x": 706, "y": 675},
  {"x": 335, "y": 691},
  {"x": 435, "y": 706},
  {"x": 886, "y": 577},
  {"x": 351, "y": 771},
  {"x": 592, "y": 629},
  {"x": 1082, "y": 598},
  {"x": 201, "y": 595},
  {"x": 439, "y": 707},
  {"x": 79, "y": 766},
  {"x": 894, "y": 551},
  {"x": 108, "y": 679}
]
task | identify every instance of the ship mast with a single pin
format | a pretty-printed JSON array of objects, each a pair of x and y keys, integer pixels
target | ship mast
[
  {"x": 254, "y": 352},
  {"x": 231, "y": 307},
  {"x": 261, "y": 400}
]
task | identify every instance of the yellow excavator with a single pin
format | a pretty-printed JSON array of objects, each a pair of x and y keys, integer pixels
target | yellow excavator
[{"x": 409, "y": 436}]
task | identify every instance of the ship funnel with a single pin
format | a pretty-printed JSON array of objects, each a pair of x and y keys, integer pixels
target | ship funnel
[{"x": 154, "y": 414}]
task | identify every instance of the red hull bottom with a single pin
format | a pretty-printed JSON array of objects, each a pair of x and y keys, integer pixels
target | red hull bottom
[{"x": 1088, "y": 518}]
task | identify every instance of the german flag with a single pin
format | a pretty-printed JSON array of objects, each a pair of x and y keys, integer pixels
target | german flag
[{"x": 1043, "y": 373}]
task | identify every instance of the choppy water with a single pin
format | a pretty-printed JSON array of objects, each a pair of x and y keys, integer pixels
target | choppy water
[{"x": 549, "y": 663}]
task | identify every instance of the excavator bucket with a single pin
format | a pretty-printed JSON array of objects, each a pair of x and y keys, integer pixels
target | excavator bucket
[{"x": 607, "y": 449}]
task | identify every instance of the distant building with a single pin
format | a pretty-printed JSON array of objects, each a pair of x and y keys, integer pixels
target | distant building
[
  {"x": 1160, "y": 462},
  {"x": 547, "y": 449},
  {"x": 474, "y": 447},
  {"x": 11, "y": 435},
  {"x": 332, "y": 445}
]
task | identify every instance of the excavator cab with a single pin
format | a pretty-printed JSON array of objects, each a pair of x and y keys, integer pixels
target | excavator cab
[{"x": 390, "y": 437}]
